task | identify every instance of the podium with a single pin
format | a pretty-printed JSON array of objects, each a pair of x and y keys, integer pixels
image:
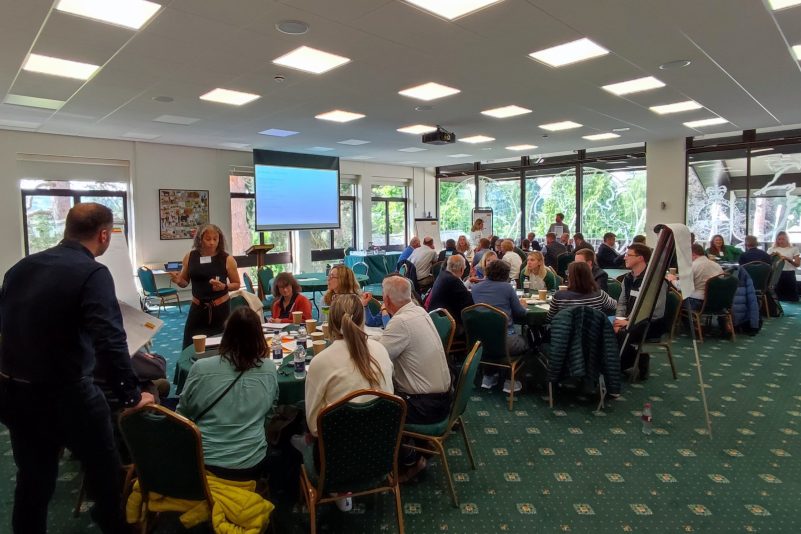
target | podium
[{"x": 259, "y": 251}]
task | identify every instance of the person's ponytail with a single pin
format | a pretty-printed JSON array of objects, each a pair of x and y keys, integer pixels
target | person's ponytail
[{"x": 356, "y": 341}]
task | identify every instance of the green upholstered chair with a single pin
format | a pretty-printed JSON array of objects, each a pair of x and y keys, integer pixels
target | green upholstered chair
[
  {"x": 176, "y": 471},
  {"x": 152, "y": 291},
  {"x": 361, "y": 268},
  {"x": 265, "y": 275},
  {"x": 437, "y": 433},
  {"x": 672, "y": 313},
  {"x": 436, "y": 268},
  {"x": 248, "y": 283},
  {"x": 352, "y": 460},
  {"x": 237, "y": 302},
  {"x": 614, "y": 288},
  {"x": 718, "y": 302},
  {"x": 552, "y": 280},
  {"x": 374, "y": 306},
  {"x": 487, "y": 324},
  {"x": 445, "y": 325},
  {"x": 562, "y": 261},
  {"x": 760, "y": 276}
]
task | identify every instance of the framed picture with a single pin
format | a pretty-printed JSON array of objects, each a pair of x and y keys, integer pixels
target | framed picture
[{"x": 181, "y": 212}]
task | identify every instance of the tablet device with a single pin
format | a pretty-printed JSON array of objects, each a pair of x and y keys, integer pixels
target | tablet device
[{"x": 173, "y": 266}]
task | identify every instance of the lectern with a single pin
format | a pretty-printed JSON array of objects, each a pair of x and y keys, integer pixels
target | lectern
[{"x": 259, "y": 251}]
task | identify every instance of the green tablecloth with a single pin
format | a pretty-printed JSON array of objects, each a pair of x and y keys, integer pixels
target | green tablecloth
[
  {"x": 290, "y": 390},
  {"x": 535, "y": 316},
  {"x": 378, "y": 265}
]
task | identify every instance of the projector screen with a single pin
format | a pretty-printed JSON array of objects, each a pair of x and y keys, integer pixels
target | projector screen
[{"x": 296, "y": 191}]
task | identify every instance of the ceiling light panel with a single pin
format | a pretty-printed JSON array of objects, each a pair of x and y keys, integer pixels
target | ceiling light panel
[
  {"x": 311, "y": 60},
  {"x": 558, "y": 126},
  {"x": 131, "y": 14},
  {"x": 353, "y": 142},
  {"x": 797, "y": 52},
  {"x": 33, "y": 102},
  {"x": 277, "y": 132},
  {"x": 459, "y": 156},
  {"x": 452, "y": 9},
  {"x": 506, "y": 111},
  {"x": 140, "y": 136},
  {"x": 59, "y": 67},
  {"x": 176, "y": 119},
  {"x": 633, "y": 86},
  {"x": 678, "y": 107},
  {"x": 600, "y": 136},
  {"x": 706, "y": 122},
  {"x": 477, "y": 139},
  {"x": 339, "y": 115},
  {"x": 228, "y": 96},
  {"x": 569, "y": 53},
  {"x": 320, "y": 149},
  {"x": 412, "y": 149},
  {"x": 776, "y": 5},
  {"x": 429, "y": 91},
  {"x": 417, "y": 129},
  {"x": 521, "y": 147}
]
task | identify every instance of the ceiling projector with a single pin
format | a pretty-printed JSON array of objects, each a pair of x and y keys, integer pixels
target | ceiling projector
[{"x": 440, "y": 136}]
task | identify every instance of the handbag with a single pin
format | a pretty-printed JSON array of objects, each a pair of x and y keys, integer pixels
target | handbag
[{"x": 218, "y": 399}]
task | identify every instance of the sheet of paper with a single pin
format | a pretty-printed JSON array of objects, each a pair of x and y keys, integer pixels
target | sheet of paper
[
  {"x": 140, "y": 327},
  {"x": 373, "y": 331},
  {"x": 274, "y": 326},
  {"x": 545, "y": 307},
  {"x": 213, "y": 341}
]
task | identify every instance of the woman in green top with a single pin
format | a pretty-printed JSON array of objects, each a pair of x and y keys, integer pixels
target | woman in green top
[
  {"x": 234, "y": 444},
  {"x": 719, "y": 251}
]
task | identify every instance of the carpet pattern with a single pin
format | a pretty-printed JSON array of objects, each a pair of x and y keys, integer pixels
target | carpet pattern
[{"x": 568, "y": 469}]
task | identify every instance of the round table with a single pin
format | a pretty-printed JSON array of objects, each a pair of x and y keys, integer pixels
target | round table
[
  {"x": 535, "y": 317},
  {"x": 290, "y": 389}
]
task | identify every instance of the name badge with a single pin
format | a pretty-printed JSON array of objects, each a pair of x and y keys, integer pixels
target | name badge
[
  {"x": 634, "y": 293},
  {"x": 205, "y": 259}
]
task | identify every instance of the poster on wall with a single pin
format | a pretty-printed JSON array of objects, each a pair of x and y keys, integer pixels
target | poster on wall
[{"x": 181, "y": 211}]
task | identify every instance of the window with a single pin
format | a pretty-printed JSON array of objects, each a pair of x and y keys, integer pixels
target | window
[
  {"x": 243, "y": 235},
  {"x": 45, "y": 204},
  {"x": 548, "y": 192},
  {"x": 502, "y": 194},
  {"x": 331, "y": 244},
  {"x": 613, "y": 200},
  {"x": 388, "y": 217},
  {"x": 457, "y": 196}
]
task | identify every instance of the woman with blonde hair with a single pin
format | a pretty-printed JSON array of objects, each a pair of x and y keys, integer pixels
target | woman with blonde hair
[
  {"x": 477, "y": 231},
  {"x": 342, "y": 281},
  {"x": 511, "y": 257},
  {"x": 535, "y": 271},
  {"x": 477, "y": 273},
  {"x": 786, "y": 288},
  {"x": 463, "y": 246}
]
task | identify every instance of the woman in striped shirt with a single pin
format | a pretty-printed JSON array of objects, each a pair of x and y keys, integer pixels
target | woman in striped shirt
[{"x": 581, "y": 291}]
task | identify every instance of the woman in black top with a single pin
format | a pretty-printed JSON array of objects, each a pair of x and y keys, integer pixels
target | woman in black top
[{"x": 213, "y": 274}]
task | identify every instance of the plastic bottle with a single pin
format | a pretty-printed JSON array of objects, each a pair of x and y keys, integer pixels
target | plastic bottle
[
  {"x": 647, "y": 418},
  {"x": 303, "y": 337},
  {"x": 276, "y": 348},
  {"x": 300, "y": 363},
  {"x": 513, "y": 283}
]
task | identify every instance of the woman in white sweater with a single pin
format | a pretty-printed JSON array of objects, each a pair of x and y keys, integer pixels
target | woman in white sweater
[{"x": 512, "y": 258}]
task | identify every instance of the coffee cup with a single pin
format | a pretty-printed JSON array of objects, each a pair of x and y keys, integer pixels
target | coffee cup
[
  {"x": 311, "y": 325},
  {"x": 672, "y": 271},
  {"x": 318, "y": 346},
  {"x": 317, "y": 336},
  {"x": 562, "y": 288},
  {"x": 543, "y": 294},
  {"x": 297, "y": 317},
  {"x": 200, "y": 343},
  {"x": 326, "y": 330}
]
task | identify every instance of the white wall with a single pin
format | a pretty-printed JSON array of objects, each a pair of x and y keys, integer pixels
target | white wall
[{"x": 666, "y": 184}]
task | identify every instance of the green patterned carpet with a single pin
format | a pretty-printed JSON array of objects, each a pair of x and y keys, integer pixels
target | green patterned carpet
[{"x": 569, "y": 470}]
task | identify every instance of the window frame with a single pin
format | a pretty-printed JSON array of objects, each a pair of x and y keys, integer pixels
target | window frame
[
  {"x": 270, "y": 258},
  {"x": 386, "y": 201},
  {"x": 331, "y": 253}
]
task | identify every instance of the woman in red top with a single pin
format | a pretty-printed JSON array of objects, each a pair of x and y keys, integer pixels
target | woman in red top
[{"x": 288, "y": 299}]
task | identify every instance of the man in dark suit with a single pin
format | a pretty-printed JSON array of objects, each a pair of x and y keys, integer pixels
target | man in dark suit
[
  {"x": 608, "y": 258},
  {"x": 449, "y": 291},
  {"x": 752, "y": 253},
  {"x": 552, "y": 249}
]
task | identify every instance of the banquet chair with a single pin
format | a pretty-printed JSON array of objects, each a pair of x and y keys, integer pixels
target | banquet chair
[
  {"x": 437, "y": 433},
  {"x": 718, "y": 302},
  {"x": 248, "y": 283},
  {"x": 151, "y": 290},
  {"x": 614, "y": 288},
  {"x": 265, "y": 275},
  {"x": 488, "y": 324},
  {"x": 361, "y": 268},
  {"x": 760, "y": 276},
  {"x": 445, "y": 325},
  {"x": 436, "y": 268},
  {"x": 672, "y": 314},
  {"x": 562, "y": 261},
  {"x": 350, "y": 459}
]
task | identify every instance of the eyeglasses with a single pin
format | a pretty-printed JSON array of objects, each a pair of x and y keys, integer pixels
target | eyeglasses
[
  {"x": 633, "y": 255},
  {"x": 332, "y": 277}
]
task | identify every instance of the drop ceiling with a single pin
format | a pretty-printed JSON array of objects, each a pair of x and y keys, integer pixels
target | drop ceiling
[{"x": 742, "y": 70}]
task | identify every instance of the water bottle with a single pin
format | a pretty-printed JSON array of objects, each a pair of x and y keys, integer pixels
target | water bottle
[
  {"x": 303, "y": 338},
  {"x": 277, "y": 349},
  {"x": 513, "y": 283},
  {"x": 300, "y": 363},
  {"x": 647, "y": 418}
]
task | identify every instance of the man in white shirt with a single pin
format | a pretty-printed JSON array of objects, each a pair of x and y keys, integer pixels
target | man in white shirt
[
  {"x": 423, "y": 258},
  {"x": 702, "y": 270}
]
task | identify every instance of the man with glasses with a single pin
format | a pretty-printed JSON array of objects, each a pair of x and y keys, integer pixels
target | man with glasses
[{"x": 637, "y": 257}]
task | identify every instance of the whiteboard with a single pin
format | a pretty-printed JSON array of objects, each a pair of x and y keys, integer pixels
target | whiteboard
[
  {"x": 428, "y": 227},
  {"x": 486, "y": 216},
  {"x": 118, "y": 261}
]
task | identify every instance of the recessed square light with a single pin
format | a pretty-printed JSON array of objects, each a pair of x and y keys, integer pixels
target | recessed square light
[
  {"x": 131, "y": 14},
  {"x": 311, "y": 60},
  {"x": 459, "y": 156},
  {"x": 353, "y": 142},
  {"x": 227, "y": 96},
  {"x": 568, "y": 53},
  {"x": 277, "y": 132},
  {"x": 600, "y": 136},
  {"x": 706, "y": 122},
  {"x": 320, "y": 149},
  {"x": 776, "y": 5},
  {"x": 359, "y": 157},
  {"x": 797, "y": 52},
  {"x": 429, "y": 91},
  {"x": 417, "y": 129},
  {"x": 521, "y": 147},
  {"x": 687, "y": 105},
  {"x": 412, "y": 149},
  {"x": 140, "y": 136},
  {"x": 452, "y": 9},
  {"x": 506, "y": 111},
  {"x": 633, "y": 86},
  {"x": 557, "y": 126},
  {"x": 176, "y": 119},
  {"x": 338, "y": 115},
  {"x": 59, "y": 67},
  {"x": 477, "y": 139},
  {"x": 33, "y": 101}
]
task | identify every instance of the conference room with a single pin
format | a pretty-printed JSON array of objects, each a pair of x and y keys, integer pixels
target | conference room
[{"x": 318, "y": 136}]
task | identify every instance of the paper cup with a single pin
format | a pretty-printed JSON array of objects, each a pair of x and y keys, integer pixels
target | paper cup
[
  {"x": 543, "y": 294},
  {"x": 311, "y": 325},
  {"x": 297, "y": 317},
  {"x": 200, "y": 343},
  {"x": 317, "y": 336},
  {"x": 672, "y": 271},
  {"x": 318, "y": 346},
  {"x": 562, "y": 288},
  {"x": 326, "y": 330}
]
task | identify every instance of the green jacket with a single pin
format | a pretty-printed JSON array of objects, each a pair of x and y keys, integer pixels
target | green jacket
[{"x": 729, "y": 253}]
